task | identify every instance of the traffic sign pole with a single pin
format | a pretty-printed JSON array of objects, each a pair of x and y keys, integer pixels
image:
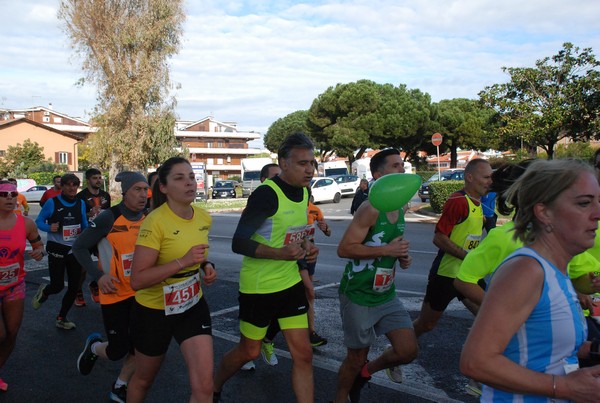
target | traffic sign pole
[{"x": 436, "y": 140}]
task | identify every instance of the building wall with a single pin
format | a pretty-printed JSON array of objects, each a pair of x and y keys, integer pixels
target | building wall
[{"x": 51, "y": 141}]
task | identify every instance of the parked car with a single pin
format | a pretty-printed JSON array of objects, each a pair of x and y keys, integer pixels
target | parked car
[
  {"x": 223, "y": 189},
  {"x": 34, "y": 193},
  {"x": 455, "y": 174},
  {"x": 324, "y": 189},
  {"x": 347, "y": 183}
]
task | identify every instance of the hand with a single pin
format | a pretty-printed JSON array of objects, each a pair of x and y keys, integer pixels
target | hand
[
  {"x": 324, "y": 227},
  {"x": 311, "y": 252},
  {"x": 292, "y": 251},
  {"x": 210, "y": 274},
  {"x": 194, "y": 256},
  {"x": 54, "y": 227},
  {"x": 398, "y": 247},
  {"x": 106, "y": 284},
  {"x": 595, "y": 280},
  {"x": 583, "y": 385},
  {"x": 26, "y": 213},
  {"x": 405, "y": 262},
  {"x": 37, "y": 253},
  {"x": 585, "y": 301}
]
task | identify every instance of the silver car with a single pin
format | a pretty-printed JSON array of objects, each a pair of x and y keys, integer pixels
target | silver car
[{"x": 34, "y": 193}]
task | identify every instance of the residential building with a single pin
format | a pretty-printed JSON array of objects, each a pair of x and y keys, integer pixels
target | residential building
[
  {"x": 59, "y": 146},
  {"x": 217, "y": 144}
]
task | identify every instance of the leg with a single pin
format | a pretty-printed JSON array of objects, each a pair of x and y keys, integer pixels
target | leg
[
  {"x": 12, "y": 315},
  {"x": 246, "y": 350},
  {"x": 427, "y": 319},
  {"x": 73, "y": 274},
  {"x": 302, "y": 372},
  {"x": 143, "y": 377},
  {"x": 56, "y": 269},
  {"x": 404, "y": 350},
  {"x": 198, "y": 354},
  {"x": 350, "y": 368}
]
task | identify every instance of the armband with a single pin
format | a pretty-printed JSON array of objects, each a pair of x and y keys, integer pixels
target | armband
[
  {"x": 594, "y": 350},
  {"x": 203, "y": 265},
  {"x": 37, "y": 239}
]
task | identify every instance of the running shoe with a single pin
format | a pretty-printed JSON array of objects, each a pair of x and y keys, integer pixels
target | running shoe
[
  {"x": 473, "y": 388},
  {"x": 79, "y": 300},
  {"x": 394, "y": 373},
  {"x": 64, "y": 323},
  {"x": 316, "y": 340},
  {"x": 118, "y": 394},
  {"x": 267, "y": 353},
  {"x": 39, "y": 297},
  {"x": 3, "y": 385},
  {"x": 95, "y": 291},
  {"x": 359, "y": 383},
  {"x": 87, "y": 358},
  {"x": 249, "y": 366}
]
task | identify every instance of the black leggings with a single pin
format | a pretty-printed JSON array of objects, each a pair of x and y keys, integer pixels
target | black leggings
[
  {"x": 117, "y": 317},
  {"x": 57, "y": 267}
]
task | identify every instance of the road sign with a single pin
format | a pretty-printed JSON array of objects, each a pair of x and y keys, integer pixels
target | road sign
[{"x": 436, "y": 139}]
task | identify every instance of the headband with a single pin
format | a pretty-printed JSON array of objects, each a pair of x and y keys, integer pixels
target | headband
[{"x": 10, "y": 187}]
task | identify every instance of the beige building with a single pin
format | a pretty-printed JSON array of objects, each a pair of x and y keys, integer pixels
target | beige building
[{"x": 59, "y": 146}]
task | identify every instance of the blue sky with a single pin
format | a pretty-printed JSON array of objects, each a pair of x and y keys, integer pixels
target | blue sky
[{"x": 253, "y": 62}]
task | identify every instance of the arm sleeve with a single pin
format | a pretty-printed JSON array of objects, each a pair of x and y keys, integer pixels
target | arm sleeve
[
  {"x": 262, "y": 204},
  {"x": 89, "y": 238},
  {"x": 45, "y": 213}
]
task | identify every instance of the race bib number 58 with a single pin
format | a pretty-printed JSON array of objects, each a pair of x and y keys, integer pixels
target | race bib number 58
[{"x": 296, "y": 234}]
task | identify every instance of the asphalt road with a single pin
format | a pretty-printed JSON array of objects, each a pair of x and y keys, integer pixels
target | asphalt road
[{"x": 43, "y": 365}]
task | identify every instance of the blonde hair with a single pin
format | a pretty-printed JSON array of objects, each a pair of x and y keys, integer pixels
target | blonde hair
[{"x": 543, "y": 182}]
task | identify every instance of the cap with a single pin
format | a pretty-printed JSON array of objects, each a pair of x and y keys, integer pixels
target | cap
[{"x": 128, "y": 179}]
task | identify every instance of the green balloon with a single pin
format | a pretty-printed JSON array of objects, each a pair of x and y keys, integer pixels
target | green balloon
[{"x": 391, "y": 192}]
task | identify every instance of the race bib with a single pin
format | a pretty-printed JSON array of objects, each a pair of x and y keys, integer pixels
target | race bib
[
  {"x": 70, "y": 232},
  {"x": 181, "y": 296},
  {"x": 9, "y": 274},
  {"x": 384, "y": 278},
  {"x": 127, "y": 258},
  {"x": 471, "y": 242},
  {"x": 296, "y": 234}
]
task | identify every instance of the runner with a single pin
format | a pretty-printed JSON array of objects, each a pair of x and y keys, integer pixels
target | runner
[
  {"x": 525, "y": 343},
  {"x": 374, "y": 245},
  {"x": 63, "y": 218},
  {"x": 270, "y": 235},
  {"x": 120, "y": 225},
  {"x": 14, "y": 230},
  {"x": 171, "y": 249},
  {"x": 457, "y": 232},
  {"x": 95, "y": 200},
  {"x": 22, "y": 206},
  {"x": 52, "y": 192}
]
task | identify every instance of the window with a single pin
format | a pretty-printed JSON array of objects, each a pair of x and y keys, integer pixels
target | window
[
  {"x": 219, "y": 161},
  {"x": 57, "y": 119},
  {"x": 46, "y": 119},
  {"x": 209, "y": 145},
  {"x": 2, "y": 153},
  {"x": 63, "y": 157}
]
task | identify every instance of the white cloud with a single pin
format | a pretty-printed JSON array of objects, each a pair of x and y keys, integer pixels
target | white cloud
[{"x": 256, "y": 61}]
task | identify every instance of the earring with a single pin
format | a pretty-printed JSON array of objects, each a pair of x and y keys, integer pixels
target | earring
[{"x": 549, "y": 228}]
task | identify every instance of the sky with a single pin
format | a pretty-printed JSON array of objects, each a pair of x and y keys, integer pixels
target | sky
[{"x": 253, "y": 62}]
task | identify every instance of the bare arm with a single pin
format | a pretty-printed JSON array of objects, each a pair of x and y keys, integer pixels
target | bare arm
[
  {"x": 33, "y": 236},
  {"x": 445, "y": 244},
  {"x": 510, "y": 300},
  {"x": 473, "y": 292},
  {"x": 145, "y": 272}
]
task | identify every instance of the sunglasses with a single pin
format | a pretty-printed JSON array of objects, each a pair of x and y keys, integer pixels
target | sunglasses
[{"x": 4, "y": 193}]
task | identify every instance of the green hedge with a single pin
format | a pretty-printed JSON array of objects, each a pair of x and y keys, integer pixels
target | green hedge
[
  {"x": 43, "y": 178},
  {"x": 439, "y": 192}
]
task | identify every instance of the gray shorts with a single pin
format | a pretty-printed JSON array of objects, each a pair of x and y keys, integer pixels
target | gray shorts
[{"x": 362, "y": 324}]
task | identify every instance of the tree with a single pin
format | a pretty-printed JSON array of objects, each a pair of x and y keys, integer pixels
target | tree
[
  {"x": 364, "y": 114},
  {"x": 282, "y": 127},
  {"x": 125, "y": 46},
  {"x": 559, "y": 98},
  {"x": 20, "y": 159},
  {"x": 464, "y": 123}
]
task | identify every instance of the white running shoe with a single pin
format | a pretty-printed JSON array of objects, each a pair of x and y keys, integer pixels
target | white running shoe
[
  {"x": 268, "y": 354},
  {"x": 394, "y": 373},
  {"x": 249, "y": 366}
]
